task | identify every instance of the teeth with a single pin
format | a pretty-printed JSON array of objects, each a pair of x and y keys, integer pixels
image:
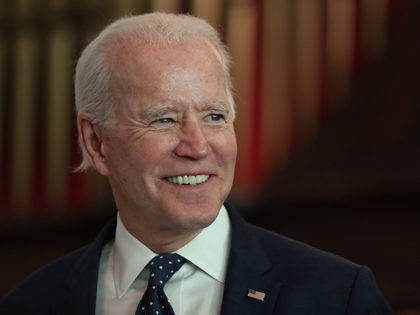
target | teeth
[{"x": 188, "y": 180}]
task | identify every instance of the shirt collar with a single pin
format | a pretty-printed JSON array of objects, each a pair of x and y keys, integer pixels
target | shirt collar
[
  {"x": 209, "y": 250},
  {"x": 131, "y": 256}
]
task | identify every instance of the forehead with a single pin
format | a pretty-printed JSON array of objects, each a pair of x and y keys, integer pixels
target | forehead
[
  {"x": 126, "y": 54},
  {"x": 188, "y": 69}
]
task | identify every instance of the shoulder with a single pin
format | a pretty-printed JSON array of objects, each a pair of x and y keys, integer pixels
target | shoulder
[
  {"x": 280, "y": 249},
  {"x": 294, "y": 262},
  {"x": 312, "y": 274},
  {"x": 51, "y": 284},
  {"x": 300, "y": 265},
  {"x": 41, "y": 286}
]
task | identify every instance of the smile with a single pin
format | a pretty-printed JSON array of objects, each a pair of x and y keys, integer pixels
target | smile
[{"x": 188, "y": 179}]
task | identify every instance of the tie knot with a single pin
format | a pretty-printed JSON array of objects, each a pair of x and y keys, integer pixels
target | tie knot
[{"x": 163, "y": 267}]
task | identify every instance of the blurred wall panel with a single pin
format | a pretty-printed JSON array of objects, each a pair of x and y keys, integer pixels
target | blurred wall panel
[
  {"x": 294, "y": 65},
  {"x": 340, "y": 34},
  {"x": 3, "y": 61},
  {"x": 373, "y": 27},
  {"x": 307, "y": 66},
  {"x": 60, "y": 108},
  {"x": 211, "y": 11},
  {"x": 23, "y": 117},
  {"x": 277, "y": 85},
  {"x": 242, "y": 19},
  {"x": 173, "y": 6},
  {"x": 131, "y": 7}
]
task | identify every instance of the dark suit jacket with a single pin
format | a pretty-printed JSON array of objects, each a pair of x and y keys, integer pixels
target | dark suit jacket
[{"x": 296, "y": 279}]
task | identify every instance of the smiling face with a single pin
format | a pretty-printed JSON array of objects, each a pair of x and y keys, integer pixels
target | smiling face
[{"x": 170, "y": 149}]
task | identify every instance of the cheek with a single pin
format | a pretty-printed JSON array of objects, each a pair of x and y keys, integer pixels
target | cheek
[
  {"x": 157, "y": 144},
  {"x": 123, "y": 154},
  {"x": 151, "y": 151},
  {"x": 225, "y": 146}
]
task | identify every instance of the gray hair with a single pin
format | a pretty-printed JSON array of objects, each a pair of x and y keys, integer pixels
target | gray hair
[{"x": 92, "y": 84}]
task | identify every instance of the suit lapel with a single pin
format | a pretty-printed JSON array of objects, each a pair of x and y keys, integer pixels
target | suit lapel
[
  {"x": 248, "y": 269},
  {"x": 81, "y": 282}
]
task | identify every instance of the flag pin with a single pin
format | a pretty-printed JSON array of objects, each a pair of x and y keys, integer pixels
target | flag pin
[{"x": 254, "y": 294}]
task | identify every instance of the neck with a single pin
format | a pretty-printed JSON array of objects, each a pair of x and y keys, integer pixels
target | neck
[{"x": 159, "y": 241}]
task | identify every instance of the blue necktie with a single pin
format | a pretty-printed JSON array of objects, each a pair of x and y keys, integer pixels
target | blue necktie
[{"x": 154, "y": 300}]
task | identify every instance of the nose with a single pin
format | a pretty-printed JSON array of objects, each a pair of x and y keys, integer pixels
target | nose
[{"x": 193, "y": 143}]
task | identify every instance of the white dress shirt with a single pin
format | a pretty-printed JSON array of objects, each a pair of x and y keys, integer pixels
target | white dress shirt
[{"x": 197, "y": 288}]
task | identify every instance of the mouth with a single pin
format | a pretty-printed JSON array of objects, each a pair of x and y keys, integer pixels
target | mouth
[{"x": 192, "y": 180}]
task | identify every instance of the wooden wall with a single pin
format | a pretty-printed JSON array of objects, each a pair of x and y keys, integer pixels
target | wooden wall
[
  {"x": 328, "y": 127},
  {"x": 295, "y": 62}
]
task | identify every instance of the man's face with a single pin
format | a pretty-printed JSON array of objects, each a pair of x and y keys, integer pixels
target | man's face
[{"x": 170, "y": 150}]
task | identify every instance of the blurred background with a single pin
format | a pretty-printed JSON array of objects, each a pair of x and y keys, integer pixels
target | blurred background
[{"x": 328, "y": 128}]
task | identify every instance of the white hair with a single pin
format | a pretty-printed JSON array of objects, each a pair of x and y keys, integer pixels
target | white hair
[{"x": 93, "y": 70}]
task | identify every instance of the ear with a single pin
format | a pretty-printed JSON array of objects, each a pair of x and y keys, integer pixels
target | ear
[{"x": 91, "y": 139}]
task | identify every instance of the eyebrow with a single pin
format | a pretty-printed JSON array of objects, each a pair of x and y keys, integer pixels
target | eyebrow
[
  {"x": 221, "y": 108},
  {"x": 153, "y": 113}
]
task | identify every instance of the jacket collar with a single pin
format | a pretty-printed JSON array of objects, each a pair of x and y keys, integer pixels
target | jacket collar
[
  {"x": 248, "y": 269},
  {"x": 250, "y": 275},
  {"x": 81, "y": 282}
]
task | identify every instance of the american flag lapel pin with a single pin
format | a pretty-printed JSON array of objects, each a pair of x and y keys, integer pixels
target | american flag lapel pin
[{"x": 254, "y": 294}]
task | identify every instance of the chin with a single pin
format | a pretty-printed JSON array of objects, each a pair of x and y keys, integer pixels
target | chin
[{"x": 197, "y": 219}]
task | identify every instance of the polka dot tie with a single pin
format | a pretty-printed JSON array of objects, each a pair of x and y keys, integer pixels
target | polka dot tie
[{"x": 154, "y": 300}]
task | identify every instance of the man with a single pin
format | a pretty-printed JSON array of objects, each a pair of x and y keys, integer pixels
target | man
[{"x": 155, "y": 115}]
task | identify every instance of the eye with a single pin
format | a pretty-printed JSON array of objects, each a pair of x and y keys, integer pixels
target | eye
[
  {"x": 163, "y": 123},
  {"x": 215, "y": 117},
  {"x": 165, "y": 120}
]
